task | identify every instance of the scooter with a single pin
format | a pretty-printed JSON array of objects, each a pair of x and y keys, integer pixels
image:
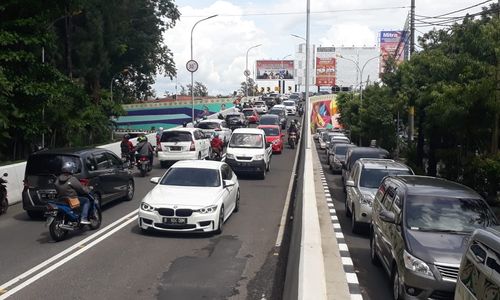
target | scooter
[
  {"x": 4, "y": 202},
  {"x": 216, "y": 155},
  {"x": 61, "y": 218},
  {"x": 292, "y": 139},
  {"x": 144, "y": 165}
]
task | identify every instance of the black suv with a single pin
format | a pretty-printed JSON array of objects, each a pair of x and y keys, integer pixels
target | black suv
[
  {"x": 99, "y": 168},
  {"x": 236, "y": 120}
]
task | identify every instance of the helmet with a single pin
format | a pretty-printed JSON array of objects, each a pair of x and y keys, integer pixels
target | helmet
[
  {"x": 160, "y": 129},
  {"x": 144, "y": 138},
  {"x": 126, "y": 136},
  {"x": 216, "y": 134},
  {"x": 68, "y": 167},
  {"x": 140, "y": 139}
]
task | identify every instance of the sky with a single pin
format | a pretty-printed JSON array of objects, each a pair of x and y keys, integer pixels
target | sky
[{"x": 220, "y": 43}]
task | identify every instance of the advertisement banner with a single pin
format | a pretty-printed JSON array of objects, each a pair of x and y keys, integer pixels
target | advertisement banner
[
  {"x": 390, "y": 43},
  {"x": 274, "y": 69},
  {"x": 324, "y": 114},
  {"x": 325, "y": 71}
]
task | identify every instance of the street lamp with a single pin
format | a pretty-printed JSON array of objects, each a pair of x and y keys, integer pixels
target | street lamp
[
  {"x": 355, "y": 63},
  {"x": 247, "y": 72},
  {"x": 299, "y": 37},
  {"x": 361, "y": 77},
  {"x": 192, "y": 83}
]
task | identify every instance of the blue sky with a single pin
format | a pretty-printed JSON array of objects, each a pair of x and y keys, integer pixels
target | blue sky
[{"x": 220, "y": 43}]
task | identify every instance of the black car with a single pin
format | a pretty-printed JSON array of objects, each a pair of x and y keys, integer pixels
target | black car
[
  {"x": 236, "y": 120},
  {"x": 270, "y": 120},
  {"x": 281, "y": 114},
  {"x": 270, "y": 101},
  {"x": 99, "y": 168}
]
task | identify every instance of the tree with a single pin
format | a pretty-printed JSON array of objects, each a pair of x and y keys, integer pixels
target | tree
[
  {"x": 200, "y": 90},
  {"x": 248, "y": 87}
]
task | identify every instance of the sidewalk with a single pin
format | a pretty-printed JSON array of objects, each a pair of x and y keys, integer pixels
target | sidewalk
[{"x": 341, "y": 280}]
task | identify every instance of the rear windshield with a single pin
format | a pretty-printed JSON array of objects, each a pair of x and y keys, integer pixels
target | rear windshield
[
  {"x": 271, "y": 131},
  {"x": 371, "y": 178},
  {"x": 43, "y": 164},
  {"x": 277, "y": 112},
  {"x": 248, "y": 112},
  {"x": 246, "y": 140},
  {"x": 208, "y": 125},
  {"x": 192, "y": 177},
  {"x": 287, "y": 103},
  {"x": 258, "y": 103},
  {"x": 176, "y": 136},
  {"x": 268, "y": 121},
  {"x": 341, "y": 149},
  {"x": 229, "y": 117},
  {"x": 293, "y": 97}
]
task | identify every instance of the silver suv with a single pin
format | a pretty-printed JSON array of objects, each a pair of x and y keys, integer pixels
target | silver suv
[{"x": 363, "y": 183}]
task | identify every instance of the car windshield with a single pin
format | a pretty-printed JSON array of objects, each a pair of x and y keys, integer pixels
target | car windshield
[
  {"x": 246, "y": 140},
  {"x": 268, "y": 121},
  {"x": 430, "y": 213},
  {"x": 231, "y": 117},
  {"x": 371, "y": 178},
  {"x": 271, "y": 131},
  {"x": 293, "y": 96},
  {"x": 175, "y": 136},
  {"x": 248, "y": 113},
  {"x": 277, "y": 112},
  {"x": 208, "y": 125},
  {"x": 44, "y": 164},
  {"x": 191, "y": 177},
  {"x": 287, "y": 103},
  {"x": 259, "y": 103}
]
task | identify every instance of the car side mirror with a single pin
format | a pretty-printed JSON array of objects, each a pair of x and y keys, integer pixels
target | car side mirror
[
  {"x": 155, "y": 180},
  {"x": 349, "y": 183},
  {"x": 387, "y": 216},
  {"x": 228, "y": 183}
]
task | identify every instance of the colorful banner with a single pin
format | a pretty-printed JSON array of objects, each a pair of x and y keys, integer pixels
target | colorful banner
[
  {"x": 324, "y": 114},
  {"x": 326, "y": 71},
  {"x": 390, "y": 42},
  {"x": 274, "y": 69}
]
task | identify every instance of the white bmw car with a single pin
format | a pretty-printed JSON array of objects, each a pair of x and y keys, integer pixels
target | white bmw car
[{"x": 191, "y": 196}]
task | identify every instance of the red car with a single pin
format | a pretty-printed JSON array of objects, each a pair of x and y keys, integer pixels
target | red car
[
  {"x": 274, "y": 135},
  {"x": 251, "y": 115}
]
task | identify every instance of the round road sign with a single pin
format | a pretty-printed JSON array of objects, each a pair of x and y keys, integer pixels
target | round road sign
[
  {"x": 192, "y": 66},
  {"x": 247, "y": 73}
]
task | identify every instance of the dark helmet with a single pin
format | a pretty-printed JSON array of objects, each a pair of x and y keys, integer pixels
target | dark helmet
[
  {"x": 126, "y": 137},
  {"x": 68, "y": 167}
]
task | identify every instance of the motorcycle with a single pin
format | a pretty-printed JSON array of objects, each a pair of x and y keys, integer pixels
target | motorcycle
[
  {"x": 126, "y": 160},
  {"x": 144, "y": 165},
  {"x": 4, "y": 203},
  {"x": 61, "y": 218},
  {"x": 216, "y": 155},
  {"x": 292, "y": 139}
]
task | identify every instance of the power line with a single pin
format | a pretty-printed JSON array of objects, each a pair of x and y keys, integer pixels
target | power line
[
  {"x": 458, "y": 10},
  {"x": 444, "y": 23}
]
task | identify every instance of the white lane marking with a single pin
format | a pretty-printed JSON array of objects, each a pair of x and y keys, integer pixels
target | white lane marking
[
  {"x": 65, "y": 252},
  {"x": 351, "y": 278},
  {"x": 356, "y": 297},
  {"x": 343, "y": 247},
  {"x": 347, "y": 261},
  {"x": 66, "y": 259}
]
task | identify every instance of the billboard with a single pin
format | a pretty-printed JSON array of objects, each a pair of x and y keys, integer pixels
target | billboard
[
  {"x": 274, "y": 69},
  {"x": 390, "y": 43},
  {"x": 325, "y": 71}
]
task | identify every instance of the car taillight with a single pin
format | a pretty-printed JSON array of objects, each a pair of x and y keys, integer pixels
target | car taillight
[
  {"x": 143, "y": 158},
  {"x": 84, "y": 181},
  {"x": 192, "y": 148}
]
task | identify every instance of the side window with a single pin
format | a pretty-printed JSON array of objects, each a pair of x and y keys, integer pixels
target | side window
[
  {"x": 90, "y": 163},
  {"x": 356, "y": 172},
  {"x": 227, "y": 173},
  {"x": 115, "y": 161},
  {"x": 196, "y": 135},
  {"x": 493, "y": 262},
  {"x": 388, "y": 198},
  {"x": 101, "y": 161}
]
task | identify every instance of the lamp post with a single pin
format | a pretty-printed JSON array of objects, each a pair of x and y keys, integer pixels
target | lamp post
[
  {"x": 355, "y": 63},
  {"x": 247, "y": 72},
  {"x": 361, "y": 78},
  {"x": 192, "y": 79}
]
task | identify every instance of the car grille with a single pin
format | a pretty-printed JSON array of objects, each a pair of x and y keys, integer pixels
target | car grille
[
  {"x": 183, "y": 212},
  {"x": 448, "y": 272},
  {"x": 177, "y": 226},
  {"x": 243, "y": 158},
  {"x": 442, "y": 295},
  {"x": 167, "y": 212}
]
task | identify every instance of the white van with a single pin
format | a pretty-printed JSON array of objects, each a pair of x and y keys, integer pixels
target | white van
[{"x": 248, "y": 152}]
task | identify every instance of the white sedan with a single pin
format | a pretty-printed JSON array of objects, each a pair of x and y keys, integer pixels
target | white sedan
[{"x": 191, "y": 196}]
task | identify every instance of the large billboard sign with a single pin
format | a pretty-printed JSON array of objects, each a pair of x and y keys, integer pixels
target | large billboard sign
[
  {"x": 274, "y": 69},
  {"x": 392, "y": 44},
  {"x": 325, "y": 71}
]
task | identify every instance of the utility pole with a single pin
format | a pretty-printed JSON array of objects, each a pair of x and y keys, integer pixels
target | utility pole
[{"x": 411, "y": 109}]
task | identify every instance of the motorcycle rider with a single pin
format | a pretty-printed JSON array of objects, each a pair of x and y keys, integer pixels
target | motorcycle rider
[
  {"x": 217, "y": 144},
  {"x": 144, "y": 148},
  {"x": 127, "y": 148},
  {"x": 294, "y": 127},
  {"x": 68, "y": 186}
]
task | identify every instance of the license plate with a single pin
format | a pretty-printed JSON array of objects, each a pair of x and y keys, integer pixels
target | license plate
[
  {"x": 175, "y": 148},
  {"x": 173, "y": 221}
]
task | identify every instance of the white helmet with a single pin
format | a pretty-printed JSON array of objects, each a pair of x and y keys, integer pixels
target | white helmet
[{"x": 161, "y": 128}]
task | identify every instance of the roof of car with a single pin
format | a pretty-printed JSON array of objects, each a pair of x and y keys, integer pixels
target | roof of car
[
  {"x": 289, "y": 101},
  {"x": 433, "y": 186},
  {"x": 344, "y": 145},
  {"x": 268, "y": 126},
  {"x": 249, "y": 108},
  {"x": 268, "y": 116},
  {"x": 367, "y": 150},
  {"x": 211, "y": 121},
  {"x": 198, "y": 164},
  {"x": 248, "y": 130},
  {"x": 68, "y": 151},
  {"x": 279, "y": 106},
  {"x": 382, "y": 163},
  {"x": 184, "y": 129}
]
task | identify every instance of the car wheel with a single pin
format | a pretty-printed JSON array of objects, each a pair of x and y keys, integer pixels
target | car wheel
[
  {"x": 354, "y": 223},
  {"x": 237, "y": 204},
  {"x": 268, "y": 166},
  {"x": 220, "y": 228},
  {"x": 130, "y": 191},
  {"x": 347, "y": 211},
  {"x": 397, "y": 286},
  {"x": 373, "y": 250}
]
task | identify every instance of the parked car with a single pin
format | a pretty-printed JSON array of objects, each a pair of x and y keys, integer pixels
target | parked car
[
  {"x": 210, "y": 126},
  {"x": 248, "y": 152},
  {"x": 200, "y": 197},
  {"x": 335, "y": 135},
  {"x": 479, "y": 274},
  {"x": 236, "y": 120},
  {"x": 419, "y": 231},
  {"x": 361, "y": 186},
  {"x": 96, "y": 167},
  {"x": 274, "y": 135},
  {"x": 281, "y": 114},
  {"x": 270, "y": 120},
  {"x": 333, "y": 141},
  {"x": 336, "y": 156},
  {"x": 183, "y": 144},
  {"x": 291, "y": 107},
  {"x": 353, "y": 154},
  {"x": 260, "y": 107},
  {"x": 318, "y": 132},
  {"x": 323, "y": 137},
  {"x": 251, "y": 115}
]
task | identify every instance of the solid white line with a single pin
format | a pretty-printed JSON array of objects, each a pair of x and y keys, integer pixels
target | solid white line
[
  {"x": 351, "y": 278},
  {"x": 343, "y": 247},
  {"x": 336, "y": 225},
  {"x": 339, "y": 235},
  {"x": 346, "y": 261},
  {"x": 65, "y": 252},
  {"x": 66, "y": 259},
  {"x": 356, "y": 297}
]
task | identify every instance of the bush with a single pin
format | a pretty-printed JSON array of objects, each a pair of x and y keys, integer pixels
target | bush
[{"x": 482, "y": 173}]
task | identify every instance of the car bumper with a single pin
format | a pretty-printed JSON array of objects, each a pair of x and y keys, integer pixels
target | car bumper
[
  {"x": 277, "y": 148},
  {"x": 419, "y": 287},
  {"x": 173, "y": 156},
  {"x": 32, "y": 202},
  {"x": 195, "y": 223},
  {"x": 246, "y": 166}
]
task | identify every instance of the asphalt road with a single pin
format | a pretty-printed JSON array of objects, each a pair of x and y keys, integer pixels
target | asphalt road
[
  {"x": 374, "y": 282},
  {"x": 126, "y": 264}
]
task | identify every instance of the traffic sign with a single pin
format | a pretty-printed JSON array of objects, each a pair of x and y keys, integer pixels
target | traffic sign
[
  {"x": 247, "y": 73},
  {"x": 192, "y": 66}
]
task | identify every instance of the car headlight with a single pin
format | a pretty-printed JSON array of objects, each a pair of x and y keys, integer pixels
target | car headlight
[
  {"x": 147, "y": 207},
  {"x": 366, "y": 199},
  {"x": 259, "y": 156},
  {"x": 229, "y": 156},
  {"x": 276, "y": 142},
  {"x": 416, "y": 265},
  {"x": 207, "y": 210}
]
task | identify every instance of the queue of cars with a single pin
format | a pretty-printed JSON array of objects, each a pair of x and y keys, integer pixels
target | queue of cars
[{"x": 435, "y": 239}]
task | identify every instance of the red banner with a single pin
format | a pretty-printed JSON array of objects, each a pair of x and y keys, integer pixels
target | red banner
[{"x": 325, "y": 71}]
